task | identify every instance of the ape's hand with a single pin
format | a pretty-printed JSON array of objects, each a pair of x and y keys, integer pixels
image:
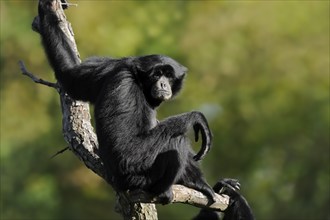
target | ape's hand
[
  {"x": 47, "y": 6},
  {"x": 201, "y": 126}
]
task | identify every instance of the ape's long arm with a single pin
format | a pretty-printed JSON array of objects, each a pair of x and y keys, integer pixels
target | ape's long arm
[
  {"x": 174, "y": 127},
  {"x": 179, "y": 125},
  {"x": 56, "y": 44},
  {"x": 77, "y": 79}
]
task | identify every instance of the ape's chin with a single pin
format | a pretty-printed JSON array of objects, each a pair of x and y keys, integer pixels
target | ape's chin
[
  {"x": 162, "y": 95},
  {"x": 165, "y": 96}
]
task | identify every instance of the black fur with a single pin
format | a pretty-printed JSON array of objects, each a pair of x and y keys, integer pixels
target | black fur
[
  {"x": 138, "y": 151},
  {"x": 238, "y": 208}
]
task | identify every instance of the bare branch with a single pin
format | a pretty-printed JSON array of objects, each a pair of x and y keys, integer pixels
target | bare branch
[
  {"x": 66, "y": 4},
  {"x": 189, "y": 196},
  {"x": 182, "y": 194},
  {"x": 36, "y": 79},
  {"x": 59, "y": 152}
]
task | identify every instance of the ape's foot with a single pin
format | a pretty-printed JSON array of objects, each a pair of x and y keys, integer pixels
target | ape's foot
[
  {"x": 201, "y": 186},
  {"x": 231, "y": 183},
  {"x": 165, "y": 197},
  {"x": 210, "y": 194},
  {"x": 226, "y": 183}
]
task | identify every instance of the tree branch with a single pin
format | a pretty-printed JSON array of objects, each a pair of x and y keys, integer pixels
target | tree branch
[
  {"x": 79, "y": 133},
  {"x": 36, "y": 79},
  {"x": 182, "y": 194}
]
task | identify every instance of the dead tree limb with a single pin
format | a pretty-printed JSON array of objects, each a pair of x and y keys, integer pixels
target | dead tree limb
[{"x": 79, "y": 134}]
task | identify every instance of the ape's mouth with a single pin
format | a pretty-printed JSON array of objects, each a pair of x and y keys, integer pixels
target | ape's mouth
[
  {"x": 165, "y": 95},
  {"x": 162, "y": 95}
]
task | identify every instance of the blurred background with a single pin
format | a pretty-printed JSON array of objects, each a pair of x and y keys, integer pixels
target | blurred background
[{"x": 259, "y": 71}]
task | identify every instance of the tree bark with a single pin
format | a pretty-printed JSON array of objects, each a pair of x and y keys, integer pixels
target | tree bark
[{"x": 79, "y": 134}]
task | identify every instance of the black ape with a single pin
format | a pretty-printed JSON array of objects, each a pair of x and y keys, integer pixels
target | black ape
[
  {"x": 138, "y": 151},
  {"x": 238, "y": 208}
]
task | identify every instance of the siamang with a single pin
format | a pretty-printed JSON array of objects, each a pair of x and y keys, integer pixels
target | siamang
[
  {"x": 138, "y": 151},
  {"x": 238, "y": 208}
]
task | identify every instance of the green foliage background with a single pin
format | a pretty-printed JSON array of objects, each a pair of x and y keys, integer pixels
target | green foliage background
[{"x": 259, "y": 70}]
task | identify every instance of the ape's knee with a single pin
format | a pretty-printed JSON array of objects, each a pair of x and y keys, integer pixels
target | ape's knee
[{"x": 165, "y": 171}]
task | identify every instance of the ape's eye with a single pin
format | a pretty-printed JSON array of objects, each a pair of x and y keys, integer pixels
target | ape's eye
[
  {"x": 158, "y": 73},
  {"x": 168, "y": 74}
]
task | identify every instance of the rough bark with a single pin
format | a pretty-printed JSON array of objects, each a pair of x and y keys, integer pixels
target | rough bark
[{"x": 79, "y": 134}]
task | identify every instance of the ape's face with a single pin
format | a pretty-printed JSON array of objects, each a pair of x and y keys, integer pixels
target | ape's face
[{"x": 161, "y": 78}]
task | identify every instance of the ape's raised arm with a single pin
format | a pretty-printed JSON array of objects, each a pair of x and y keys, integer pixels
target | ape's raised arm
[
  {"x": 56, "y": 44},
  {"x": 79, "y": 80},
  {"x": 180, "y": 124}
]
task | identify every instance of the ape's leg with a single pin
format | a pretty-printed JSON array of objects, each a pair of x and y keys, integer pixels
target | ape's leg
[
  {"x": 163, "y": 174},
  {"x": 193, "y": 178}
]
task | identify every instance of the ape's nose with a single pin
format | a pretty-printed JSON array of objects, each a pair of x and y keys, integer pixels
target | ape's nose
[{"x": 163, "y": 85}]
